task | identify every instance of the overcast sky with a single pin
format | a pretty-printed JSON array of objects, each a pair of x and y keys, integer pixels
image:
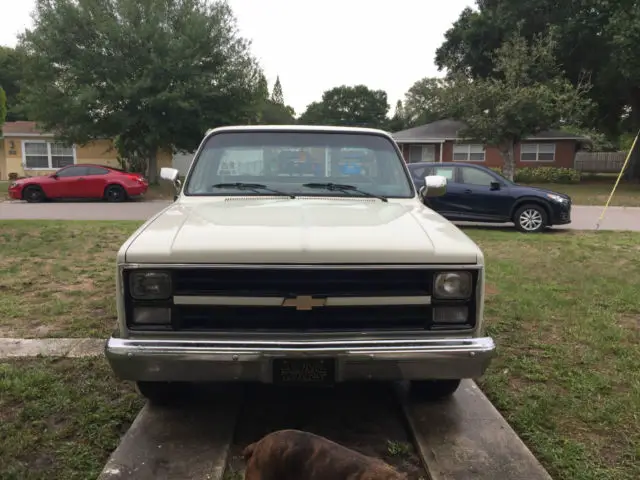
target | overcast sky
[{"x": 315, "y": 45}]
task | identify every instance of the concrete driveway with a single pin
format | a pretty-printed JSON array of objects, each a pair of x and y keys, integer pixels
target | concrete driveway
[{"x": 584, "y": 217}]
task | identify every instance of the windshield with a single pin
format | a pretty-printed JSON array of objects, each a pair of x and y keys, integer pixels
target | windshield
[{"x": 288, "y": 161}]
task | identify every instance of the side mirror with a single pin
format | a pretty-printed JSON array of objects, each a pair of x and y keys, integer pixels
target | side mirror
[
  {"x": 172, "y": 175},
  {"x": 54, "y": 176},
  {"x": 434, "y": 186},
  {"x": 495, "y": 186}
]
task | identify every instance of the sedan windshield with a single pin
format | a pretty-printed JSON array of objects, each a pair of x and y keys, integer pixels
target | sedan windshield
[{"x": 288, "y": 162}]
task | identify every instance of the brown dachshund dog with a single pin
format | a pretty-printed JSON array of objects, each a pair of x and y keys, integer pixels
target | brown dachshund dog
[{"x": 296, "y": 455}]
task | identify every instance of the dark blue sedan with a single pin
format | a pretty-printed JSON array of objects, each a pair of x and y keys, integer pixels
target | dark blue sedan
[{"x": 478, "y": 194}]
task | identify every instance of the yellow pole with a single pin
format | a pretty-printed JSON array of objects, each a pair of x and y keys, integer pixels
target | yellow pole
[{"x": 624, "y": 167}]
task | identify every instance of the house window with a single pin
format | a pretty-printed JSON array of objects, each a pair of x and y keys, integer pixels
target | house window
[
  {"x": 468, "y": 153},
  {"x": 47, "y": 155},
  {"x": 422, "y": 153},
  {"x": 538, "y": 152}
]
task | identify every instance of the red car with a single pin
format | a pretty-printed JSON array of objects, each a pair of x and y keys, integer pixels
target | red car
[{"x": 80, "y": 181}]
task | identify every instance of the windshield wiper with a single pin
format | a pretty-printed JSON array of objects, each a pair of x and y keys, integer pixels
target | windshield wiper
[
  {"x": 341, "y": 187},
  {"x": 254, "y": 187}
]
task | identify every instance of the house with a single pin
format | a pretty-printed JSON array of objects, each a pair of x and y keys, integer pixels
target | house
[
  {"x": 27, "y": 151},
  {"x": 441, "y": 142}
]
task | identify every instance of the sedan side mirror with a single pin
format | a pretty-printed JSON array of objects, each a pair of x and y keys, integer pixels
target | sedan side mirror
[
  {"x": 434, "y": 186},
  {"x": 495, "y": 186},
  {"x": 54, "y": 176}
]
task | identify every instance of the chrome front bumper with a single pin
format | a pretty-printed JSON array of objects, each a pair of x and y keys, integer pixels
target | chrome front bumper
[{"x": 251, "y": 361}]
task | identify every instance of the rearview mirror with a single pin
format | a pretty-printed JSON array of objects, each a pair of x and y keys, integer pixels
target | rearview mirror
[{"x": 434, "y": 186}]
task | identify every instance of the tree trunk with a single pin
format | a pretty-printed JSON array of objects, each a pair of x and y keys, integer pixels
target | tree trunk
[
  {"x": 152, "y": 166},
  {"x": 509, "y": 163},
  {"x": 633, "y": 169}
]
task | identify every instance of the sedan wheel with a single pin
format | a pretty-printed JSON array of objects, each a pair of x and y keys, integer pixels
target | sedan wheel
[
  {"x": 33, "y": 195},
  {"x": 531, "y": 219},
  {"x": 115, "y": 193}
]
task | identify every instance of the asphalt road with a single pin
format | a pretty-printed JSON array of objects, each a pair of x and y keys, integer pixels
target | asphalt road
[{"x": 584, "y": 217}]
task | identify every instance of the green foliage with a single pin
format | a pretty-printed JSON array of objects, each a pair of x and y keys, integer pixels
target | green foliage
[
  {"x": 277, "y": 96},
  {"x": 544, "y": 175},
  {"x": 158, "y": 74},
  {"x": 11, "y": 64},
  {"x": 3, "y": 106},
  {"x": 399, "y": 120},
  {"x": 526, "y": 95},
  {"x": 596, "y": 39},
  {"x": 424, "y": 101},
  {"x": 599, "y": 141},
  {"x": 356, "y": 106}
]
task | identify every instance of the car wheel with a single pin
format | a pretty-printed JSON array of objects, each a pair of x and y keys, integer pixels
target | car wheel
[
  {"x": 115, "y": 193},
  {"x": 530, "y": 218},
  {"x": 33, "y": 194},
  {"x": 162, "y": 393},
  {"x": 432, "y": 390}
]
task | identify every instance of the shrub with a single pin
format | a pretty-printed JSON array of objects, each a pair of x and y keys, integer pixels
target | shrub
[
  {"x": 13, "y": 176},
  {"x": 544, "y": 175}
]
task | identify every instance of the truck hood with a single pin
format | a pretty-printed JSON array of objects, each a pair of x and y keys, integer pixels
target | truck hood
[{"x": 253, "y": 230}]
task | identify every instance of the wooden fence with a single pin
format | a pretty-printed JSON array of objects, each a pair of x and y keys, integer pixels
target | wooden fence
[{"x": 599, "y": 162}]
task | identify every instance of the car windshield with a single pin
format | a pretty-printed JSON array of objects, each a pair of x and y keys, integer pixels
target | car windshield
[{"x": 288, "y": 161}]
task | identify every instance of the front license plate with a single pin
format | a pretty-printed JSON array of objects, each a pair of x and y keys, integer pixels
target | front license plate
[{"x": 303, "y": 371}]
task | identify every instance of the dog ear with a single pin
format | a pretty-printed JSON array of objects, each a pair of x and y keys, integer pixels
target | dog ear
[{"x": 248, "y": 451}]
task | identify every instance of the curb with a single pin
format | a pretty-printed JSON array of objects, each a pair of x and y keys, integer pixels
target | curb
[
  {"x": 189, "y": 441},
  {"x": 466, "y": 437},
  {"x": 51, "y": 347}
]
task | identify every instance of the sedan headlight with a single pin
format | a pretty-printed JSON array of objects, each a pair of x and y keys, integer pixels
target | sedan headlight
[
  {"x": 150, "y": 285},
  {"x": 556, "y": 198},
  {"x": 453, "y": 285}
]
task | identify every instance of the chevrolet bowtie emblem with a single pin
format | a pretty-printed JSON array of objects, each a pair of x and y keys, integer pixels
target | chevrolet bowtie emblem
[{"x": 304, "y": 302}]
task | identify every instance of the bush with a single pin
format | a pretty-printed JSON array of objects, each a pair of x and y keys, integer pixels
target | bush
[
  {"x": 13, "y": 176},
  {"x": 544, "y": 175}
]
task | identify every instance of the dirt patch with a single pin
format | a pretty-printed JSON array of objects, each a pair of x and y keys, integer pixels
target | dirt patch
[{"x": 363, "y": 417}]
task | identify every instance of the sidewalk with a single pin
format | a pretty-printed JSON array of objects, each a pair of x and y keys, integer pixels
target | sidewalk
[{"x": 51, "y": 347}]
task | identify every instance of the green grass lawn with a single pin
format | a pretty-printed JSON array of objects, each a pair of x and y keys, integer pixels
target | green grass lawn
[
  {"x": 564, "y": 310},
  {"x": 61, "y": 419},
  {"x": 563, "y": 307},
  {"x": 597, "y": 192},
  {"x": 57, "y": 278},
  {"x": 4, "y": 189}
]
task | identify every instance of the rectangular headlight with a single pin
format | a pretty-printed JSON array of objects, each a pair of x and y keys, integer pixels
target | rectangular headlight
[
  {"x": 151, "y": 316},
  {"x": 150, "y": 285},
  {"x": 451, "y": 315},
  {"x": 452, "y": 285}
]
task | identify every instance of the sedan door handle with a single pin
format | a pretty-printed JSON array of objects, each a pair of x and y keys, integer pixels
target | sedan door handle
[
  {"x": 468, "y": 190},
  {"x": 80, "y": 179}
]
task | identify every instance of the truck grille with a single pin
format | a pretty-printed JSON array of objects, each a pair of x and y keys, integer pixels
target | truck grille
[
  {"x": 287, "y": 282},
  {"x": 292, "y": 282}
]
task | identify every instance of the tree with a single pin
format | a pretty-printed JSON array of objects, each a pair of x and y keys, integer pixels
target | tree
[
  {"x": 3, "y": 107},
  {"x": 349, "y": 106},
  {"x": 154, "y": 74},
  {"x": 277, "y": 96},
  {"x": 423, "y": 101},
  {"x": 399, "y": 120},
  {"x": 596, "y": 39},
  {"x": 313, "y": 115},
  {"x": 11, "y": 64},
  {"x": 526, "y": 95}
]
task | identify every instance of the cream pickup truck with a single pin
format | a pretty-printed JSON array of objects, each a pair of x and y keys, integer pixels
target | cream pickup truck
[{"x": 299, "y": 255}]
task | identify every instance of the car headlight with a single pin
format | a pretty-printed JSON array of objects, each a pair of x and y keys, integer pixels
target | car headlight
[
  {"x": 150, "y": 285},
  {"x": 453, "y": 285},
  {"x": 13, "y": 184},
  {"x": 556, "y": 198}
]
